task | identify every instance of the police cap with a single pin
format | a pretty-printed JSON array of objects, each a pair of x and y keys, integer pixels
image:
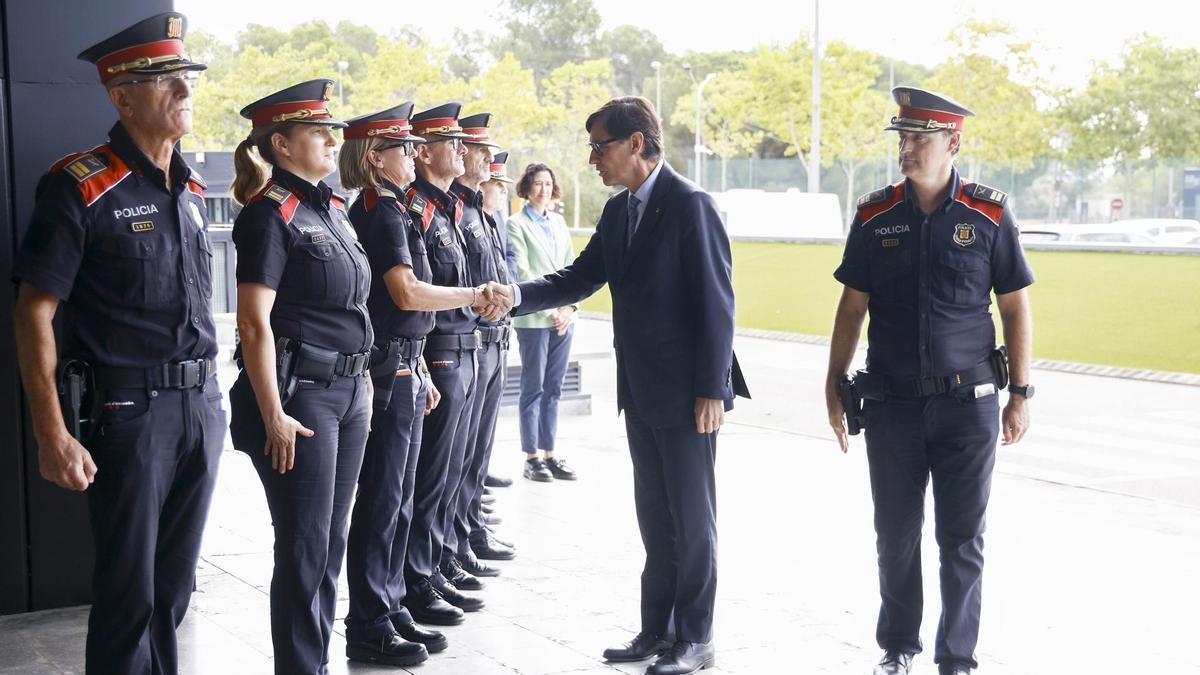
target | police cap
[
  {"x": 440, "y": 121},
  {"x": 150, "y": 46},
  {"x": 307, "y": 103},
  {"x": 498, "y": 168},
  {"x": 922, "y": 110},
  {"x": 476, "y": 126},
  {"x": 392, "y": 124}
]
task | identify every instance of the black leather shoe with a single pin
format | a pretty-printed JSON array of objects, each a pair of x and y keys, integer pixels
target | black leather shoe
[
  {"x": 491, "y": 535},
  {"x": 433, "y": 640},
  {"x": 426, "y": 605},
  {"x": 462, "y": 579},
  {"x": 490, "y": 549},
  {"x": 685, "y": 658},
  {"x": 536, "y": 470},
  {"x": 894, "y": 663},
  {"x": 467, "y": 603},
  {"x": 487, "y": 499},
  {"x": 560, "y": 470},
  {"x": 496, "y": 481},
  {"x": 953, "y": 669},
  {"x": 391, "y": 650},
  {"x": 477, "y": 567},
  {"x": 641, "y": 647}
]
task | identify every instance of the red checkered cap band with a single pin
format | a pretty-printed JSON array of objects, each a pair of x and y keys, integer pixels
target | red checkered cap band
[
  {"x": 139, "y": 56},
  {"x": 926, "y": 115},
  {"x": 439, "y": 125},
  {"x": 377, "y": 129},
  {"x": 293, "y": 111}
]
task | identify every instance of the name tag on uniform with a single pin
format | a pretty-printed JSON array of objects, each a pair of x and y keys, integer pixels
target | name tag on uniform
[
  {"x": 318, "y": 238},
  {"x": 144, "y": 226}
]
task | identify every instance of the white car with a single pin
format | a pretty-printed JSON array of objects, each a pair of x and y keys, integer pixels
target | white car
[
  {"x": 1084, "y": 234},
  {"x": 1163, "y": 230}
]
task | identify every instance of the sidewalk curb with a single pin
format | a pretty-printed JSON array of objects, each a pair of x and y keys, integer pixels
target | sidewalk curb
[{"x": 1141, "y": 374}]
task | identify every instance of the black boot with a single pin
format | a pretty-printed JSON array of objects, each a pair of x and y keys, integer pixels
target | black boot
[{"x": 391, "y": 650}]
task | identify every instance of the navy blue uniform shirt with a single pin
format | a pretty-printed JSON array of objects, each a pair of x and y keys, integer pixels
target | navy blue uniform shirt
[
  {"x": 128, "y": 254},
  {"x": 930, "y": 276},
  {"x": 295, "y": 237},
  {"x": 391, "y": 238},
  {"x": 485, "y": 256},
  {"x": 438, "y": 215}
]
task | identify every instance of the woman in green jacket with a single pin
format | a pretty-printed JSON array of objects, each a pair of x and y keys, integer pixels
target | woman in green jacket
[{"x": 540, "y": 244}]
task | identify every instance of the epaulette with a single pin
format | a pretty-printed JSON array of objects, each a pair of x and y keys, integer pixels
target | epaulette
[
  {"x": 337, "y": 201},
  {"x": 195, "y": 183},
  {"x": 372, "y": 195},
  {"x": 986, "y": 200},
  {"x": 280, "y": 195},
  {"x": 95, "y": 172},
  {"x": 420, "y": 206},
  {"x": 874, "y": 203}
]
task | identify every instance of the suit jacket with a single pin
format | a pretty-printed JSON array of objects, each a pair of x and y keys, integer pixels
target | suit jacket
[
  {"x": 672, "y": 293},
  {"x": 534, "y": 255}
]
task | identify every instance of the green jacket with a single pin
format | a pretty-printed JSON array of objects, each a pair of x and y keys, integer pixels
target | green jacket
[{"x": 536, "y": 257}]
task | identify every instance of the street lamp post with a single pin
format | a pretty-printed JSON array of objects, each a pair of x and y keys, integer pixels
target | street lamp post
[
  {"x": 342, "y": 66},
  {"x": 814, "y": 155},
  {"x": 657, "y": 66},
  {"x": 699, "y": 103}
]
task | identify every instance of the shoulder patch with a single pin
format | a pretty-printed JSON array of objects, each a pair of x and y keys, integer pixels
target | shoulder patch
[
  {"x": 385, "y": 193},
  {"x": 277, "y": 193},
  {"x": 981, "y": 191},
  {"x": 420, "y": 206},
  {"x": 196, "y": 178},
  {"x": 875, "y": 197},
  {"x": 985, "y": 200},
  {"x": 337, "y": 201},
  {"x": 95, "y": 172},
  {"x": 280, "y": 195},
  {"x": 85, "y": 166},
  {"x": 880, "y": 201}
]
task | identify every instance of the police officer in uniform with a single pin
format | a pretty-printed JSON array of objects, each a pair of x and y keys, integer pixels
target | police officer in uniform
[
  {"x": 377, "y": 159},
  {"x": 450, "y": 353},
  {"x": 301, "y": 404},
  {"x": 922, "y": 258},
  {"x": 118, "y": 234},
  {"x": 485, "y": 263}
]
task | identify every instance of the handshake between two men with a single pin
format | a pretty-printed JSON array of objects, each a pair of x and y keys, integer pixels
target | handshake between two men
[{"x": 493, "y": 300}]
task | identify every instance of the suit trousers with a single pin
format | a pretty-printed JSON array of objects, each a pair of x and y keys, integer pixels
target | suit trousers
[
  {"x": 453, "y": 373},
  {"x": 157, "y": 453},
  {"x": 675, "y": 494},
  {"x": 468, "y": 517},
  {"x": 380, "y": 523},
  {"x": 953, "y": 439},
  {"x": 309, "y": 507},
  {"x": 544, "y": 359}
]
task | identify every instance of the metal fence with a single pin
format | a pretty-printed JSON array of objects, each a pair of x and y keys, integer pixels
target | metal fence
[{"x": 1044, "y": 191}]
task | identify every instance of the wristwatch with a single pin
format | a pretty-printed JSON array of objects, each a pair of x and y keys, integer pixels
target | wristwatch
[{"x": 1026, "y": 391}]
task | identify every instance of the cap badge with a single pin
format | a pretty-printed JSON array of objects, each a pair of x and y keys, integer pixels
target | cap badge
[
  {"x": 328, "y": 90},
  {"x": 174, "y": 27},
  {"x": 905, "y": 99}
]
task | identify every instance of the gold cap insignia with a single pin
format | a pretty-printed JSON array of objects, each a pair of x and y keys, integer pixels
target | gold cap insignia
[
  {"x": 328, "y": 91},
  {"x": 175, "y": 27}
]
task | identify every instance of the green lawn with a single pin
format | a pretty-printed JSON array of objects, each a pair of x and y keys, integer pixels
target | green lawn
[{"x": 1118, "y": 309}]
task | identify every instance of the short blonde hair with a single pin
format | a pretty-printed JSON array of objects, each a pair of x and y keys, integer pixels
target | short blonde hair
[{"x": 354, "y": 163}]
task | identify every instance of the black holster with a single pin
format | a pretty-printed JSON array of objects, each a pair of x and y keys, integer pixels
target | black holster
[
  {"x": 999, "y": 361},
  {"x": 384, "y": 364},
  {"x": 285, "y": 366},
  {"x": 851, "y": 404},
  {"x": 77, "y": 397}
]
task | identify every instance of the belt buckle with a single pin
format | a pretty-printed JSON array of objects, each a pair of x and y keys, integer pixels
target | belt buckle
[{"x": 190, "y": 374}]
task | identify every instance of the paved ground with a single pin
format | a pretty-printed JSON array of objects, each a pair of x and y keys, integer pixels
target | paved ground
[{"x": 1092, "y": 544}]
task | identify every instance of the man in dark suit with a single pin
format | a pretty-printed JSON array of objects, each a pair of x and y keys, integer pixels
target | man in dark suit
[{"x": 661, "y": 247}]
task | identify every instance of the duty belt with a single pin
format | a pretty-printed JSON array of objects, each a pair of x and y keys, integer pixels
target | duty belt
[
  {"x": 871, "y": 385},
  {"x": 181, "y": 375},
  {"x": 352, "y": 365},
  {"x": 410, "y": 348},
  {"x": 463, "y": 342},
  {"x": 492, "y": 334}
]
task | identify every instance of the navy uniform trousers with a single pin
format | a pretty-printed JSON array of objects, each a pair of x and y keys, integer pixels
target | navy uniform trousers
[
  {"x": 156, "y": 452},
  {"x": 309, "y": 507},
  {"x": 467, "y": 514},
  {"x": 952, "y": 438},
  {"x": 675, "y": 495},
  {"x": 383, "y": 510},
  {"x": 453, "y": 373}
]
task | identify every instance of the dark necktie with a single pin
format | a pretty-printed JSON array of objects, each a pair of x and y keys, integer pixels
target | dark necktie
[{"x": 633, "y": 216}]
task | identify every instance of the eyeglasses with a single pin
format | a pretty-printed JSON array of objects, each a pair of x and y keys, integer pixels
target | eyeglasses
[
  {"x": 166, "y": 80},
  {"x": 598, "y": 146},
  {"x": 407, "y": 145},
  {"x": 455, "y": 143}
]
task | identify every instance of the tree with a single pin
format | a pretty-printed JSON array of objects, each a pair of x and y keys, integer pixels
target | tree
[
  {"x": 728, "y": 100},
  {"x": 631, "y": 51},
  {"x": 545, "y": 34},
  {"x": 507, "y": 91},
  {"x": 781, "y": 78},
  {"x": 571, "y": 93}
]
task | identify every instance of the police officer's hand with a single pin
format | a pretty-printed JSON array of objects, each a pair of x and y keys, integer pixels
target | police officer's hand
[
  {"x": 281, "y": 442},
  {"x": 1015, "y": 419},
  {"x": 710, "y": 415},
  {"x": 66, "y": 463},
  {"x": 432, "y": 398},
  {"x": 837, "y": 419}
]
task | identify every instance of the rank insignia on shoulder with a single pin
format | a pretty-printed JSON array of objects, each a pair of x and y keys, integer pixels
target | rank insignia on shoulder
[
  {"x": 876, "y": 196},
  {"x": 85, "y": 167},
  {"x": 277, "y": 193},
  {"x": 384, "y": 193},
  {"x": 417, "y": 204},
  {"x": 981, "y": 191}
]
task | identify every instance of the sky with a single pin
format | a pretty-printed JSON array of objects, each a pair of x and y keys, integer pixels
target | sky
[{"x": 1069, "y": 37}]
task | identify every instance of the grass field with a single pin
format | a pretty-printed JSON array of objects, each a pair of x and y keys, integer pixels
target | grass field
[{"x": 1121, "y": 309}]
